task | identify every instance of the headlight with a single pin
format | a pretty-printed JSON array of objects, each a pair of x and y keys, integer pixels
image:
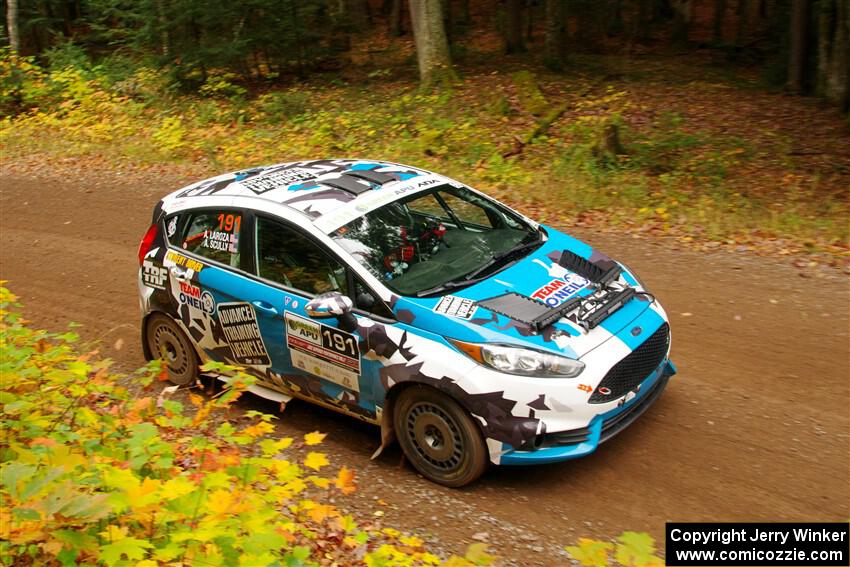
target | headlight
[{"x": 521, "y": 361}]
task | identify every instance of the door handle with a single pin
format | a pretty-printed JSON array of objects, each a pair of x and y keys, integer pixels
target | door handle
[
  {"x": 265, "y": 306},
  {"x": 178, "y": 273}
]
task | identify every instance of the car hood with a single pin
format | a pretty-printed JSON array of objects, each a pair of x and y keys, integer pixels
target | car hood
[{"x": 538, "y": 275}]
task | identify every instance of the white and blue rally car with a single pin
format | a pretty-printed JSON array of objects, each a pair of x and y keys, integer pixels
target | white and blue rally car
[{"x": 466, "y": 331}]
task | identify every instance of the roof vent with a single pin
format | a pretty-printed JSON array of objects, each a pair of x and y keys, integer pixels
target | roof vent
[
  {"x": 376, "y": 177},
  {"x": 346, "y": 183}
]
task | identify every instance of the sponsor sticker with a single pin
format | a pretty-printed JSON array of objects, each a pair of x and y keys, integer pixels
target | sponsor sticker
[
  {"x": 240, "y": 327},
  {"x": 371, "y": 201},
  {"x": 171, "y": 227},
  {"x": 220, "y": 240},
  {"x": 154, "y": 276},
  {"x": 183, "y": 261},
  {"x": 192, "y": 296},
  {"x": 559, "y": 290},
  {"x": 454, "y": 306},
  {"x": 325, "y": 351},
  {"x": 263, "y": 183}
]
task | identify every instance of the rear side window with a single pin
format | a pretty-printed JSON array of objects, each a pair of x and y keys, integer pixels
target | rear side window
[
  {"x": 172, "y": 229},
  {"x": 214, "y": 235}
]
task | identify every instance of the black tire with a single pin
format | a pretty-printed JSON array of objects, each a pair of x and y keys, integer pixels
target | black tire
[
  {"x": 439, "y": 437},
  {"x": 166, "y": 340}
]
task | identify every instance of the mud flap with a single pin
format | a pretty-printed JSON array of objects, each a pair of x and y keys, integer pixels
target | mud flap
[{"x": 387, "y": 434}]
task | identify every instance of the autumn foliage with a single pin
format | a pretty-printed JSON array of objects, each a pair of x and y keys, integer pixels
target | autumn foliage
[{"x": 93, "y": 472}]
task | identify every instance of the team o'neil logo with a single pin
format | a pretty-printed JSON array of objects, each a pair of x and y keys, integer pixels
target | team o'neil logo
[{"x": 192, "y": 296}]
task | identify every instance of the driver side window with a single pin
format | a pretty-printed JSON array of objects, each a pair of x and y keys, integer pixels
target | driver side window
[{"x": 290, "y": 258}]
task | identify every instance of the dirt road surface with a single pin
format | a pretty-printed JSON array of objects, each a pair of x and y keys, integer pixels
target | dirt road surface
[{"x": 754, "y": 427}]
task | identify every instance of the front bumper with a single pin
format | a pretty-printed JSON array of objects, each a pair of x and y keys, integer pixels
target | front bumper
[{"x": 601, "y": 428}]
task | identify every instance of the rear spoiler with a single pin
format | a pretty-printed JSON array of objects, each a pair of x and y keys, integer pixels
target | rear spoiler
[{"x": 157, "y": 212}]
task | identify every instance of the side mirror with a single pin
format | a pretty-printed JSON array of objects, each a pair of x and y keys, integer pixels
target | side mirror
[
  {"x": 331, "y": 304},
  {"x": 365, "y": 300}
]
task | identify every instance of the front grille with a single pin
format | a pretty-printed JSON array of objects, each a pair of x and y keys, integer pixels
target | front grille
[
  {"x": 571, "y": 437},
  {"x": 614, "y": 425},
  {"x": 632, "y": 370}
]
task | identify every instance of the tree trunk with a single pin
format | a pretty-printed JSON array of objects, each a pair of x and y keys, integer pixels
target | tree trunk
[
  {"x": 743, "y": 22},
  {"x": 614, "y": 23},
  {"x": 513, "y": 27},
  {"x": 556, "y": 34},
  {"x": 464, "y": 18},
  {"x": 640, "y": 23},
  {"x": 681, "y": 20},
  {"x": 12, "y": 25},
  {"x": 162, "y": 21},
  {"x": 448, "y": 24},
  {"x": 834, "y": 52},
  {"x": 397, "y": 18},
  {"x": 432, "y": 47},
  {"x": 797, "y": 57},
  {"x": 719, "y": 16},
  {"x": 826, "y": 20}
]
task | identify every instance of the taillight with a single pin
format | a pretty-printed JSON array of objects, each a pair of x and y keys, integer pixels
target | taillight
[{"x": 147, "y": 242}]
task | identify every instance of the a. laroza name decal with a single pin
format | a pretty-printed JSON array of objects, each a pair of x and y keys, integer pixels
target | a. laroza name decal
[
  {"x": 192, "y": 296},
  {"x": 559, "y": 290},
  {"x": 239, "y": 324},
  {"x": 325, "y": 351}
]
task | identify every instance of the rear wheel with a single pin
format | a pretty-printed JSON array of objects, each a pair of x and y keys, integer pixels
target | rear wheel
[
  {"x": 439, "y": 437},
  {"x": 167, "y": 341}
]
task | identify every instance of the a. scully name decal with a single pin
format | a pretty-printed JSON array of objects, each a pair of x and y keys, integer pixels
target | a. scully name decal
[{"x": 559, "y": 290}]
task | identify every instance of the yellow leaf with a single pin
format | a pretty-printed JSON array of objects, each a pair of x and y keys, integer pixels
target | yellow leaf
[
  {"x": 319, "y": 481},
  {"x": 346, "y": 523},
  {"x": 411, "y": 541},
  {"x": 53, "y": 547},
  {"x": 228, "y": 502},
  {"x": 322, "y": 511},
  {"x": 258, "y": 429},
  {"x": 177, "y": 487},
  {"x": 114, "y": 533},
  {"x": 345, "y": 481},
  {"x": 315, "y": 460},
  {"x": 314, "y": 438},
  {"x": 144, "y": 493}
]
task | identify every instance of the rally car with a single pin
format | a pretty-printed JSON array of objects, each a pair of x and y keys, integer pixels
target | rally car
[{"x": 466, "y": 331}]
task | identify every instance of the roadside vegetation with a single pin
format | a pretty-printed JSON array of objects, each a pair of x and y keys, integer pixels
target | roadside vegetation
[
  {"x": 92, "y": 473},
  {"x": 631, "y": 153}
]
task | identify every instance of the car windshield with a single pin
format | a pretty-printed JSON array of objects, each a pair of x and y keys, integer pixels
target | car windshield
[{"x": 444, "y": 238}]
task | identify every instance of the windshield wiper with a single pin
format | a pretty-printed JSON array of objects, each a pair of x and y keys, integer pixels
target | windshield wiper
[
  {"x": 497, "y": 258},
  {"x": 471, "y": 278},
  {"x": 454, "y": 284}
]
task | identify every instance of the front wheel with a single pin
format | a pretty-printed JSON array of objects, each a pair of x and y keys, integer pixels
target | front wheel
[
  {"x": 439, "y": 437},
  {"x": 167, "y": 341}
]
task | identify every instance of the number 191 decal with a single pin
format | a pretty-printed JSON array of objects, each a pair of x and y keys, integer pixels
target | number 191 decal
[{"x": 325, "y": 351}]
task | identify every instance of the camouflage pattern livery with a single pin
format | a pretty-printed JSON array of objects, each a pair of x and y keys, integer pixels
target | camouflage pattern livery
[{"x": 315, "y": 346}]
